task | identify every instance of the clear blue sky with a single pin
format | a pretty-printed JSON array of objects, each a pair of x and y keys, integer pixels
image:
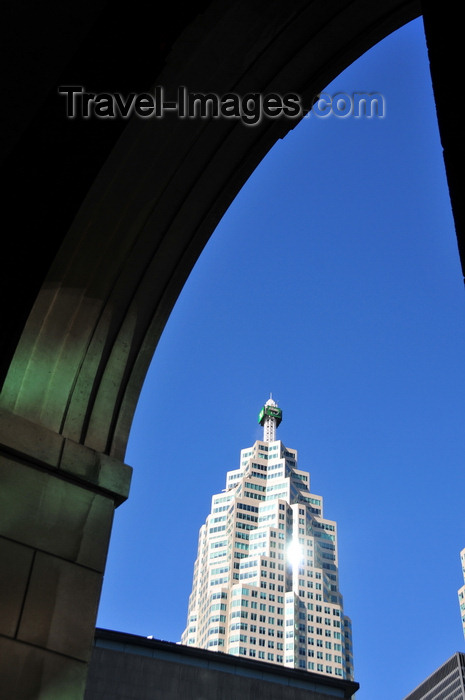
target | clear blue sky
[{"x": 333, "y": 281}]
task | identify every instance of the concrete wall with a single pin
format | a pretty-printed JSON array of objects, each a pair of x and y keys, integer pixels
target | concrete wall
[{"x": 126, "y": 667}]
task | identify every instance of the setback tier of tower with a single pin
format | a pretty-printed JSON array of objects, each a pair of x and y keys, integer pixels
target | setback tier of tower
[{"x": 266, "y": 583}]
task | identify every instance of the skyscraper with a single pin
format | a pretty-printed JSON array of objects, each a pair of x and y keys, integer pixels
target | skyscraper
[
  {"x": 446, "y": 683},
  {"x": 266, "y": 581},
  {"x": 461, "y": 591}
]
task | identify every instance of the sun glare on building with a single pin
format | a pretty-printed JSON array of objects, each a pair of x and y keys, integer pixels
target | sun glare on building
[{"x": 266, "y": 580}]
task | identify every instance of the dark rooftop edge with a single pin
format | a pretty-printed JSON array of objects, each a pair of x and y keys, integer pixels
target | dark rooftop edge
[{"x": 272, "y": 672}]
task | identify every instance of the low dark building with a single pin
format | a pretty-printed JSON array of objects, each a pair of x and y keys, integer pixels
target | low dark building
[
  {"x": 446, "y": 683},
  {"x": 129, "y": 667}
]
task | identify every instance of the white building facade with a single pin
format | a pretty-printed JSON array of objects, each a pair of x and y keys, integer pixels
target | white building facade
[
  {"x": 461, "y": 591},
  {"x": 266, "y": 582}
]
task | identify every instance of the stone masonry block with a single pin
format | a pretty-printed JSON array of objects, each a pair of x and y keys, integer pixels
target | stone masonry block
[
  {"x": 16, "y": 561},
  {"x": 28, "y": 673},
  {"x": 42, "y": 510},
  {"x": 60, "y": 607}
]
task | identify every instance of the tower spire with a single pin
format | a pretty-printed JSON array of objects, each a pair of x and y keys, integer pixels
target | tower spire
[{"x": 270, "y": 417}]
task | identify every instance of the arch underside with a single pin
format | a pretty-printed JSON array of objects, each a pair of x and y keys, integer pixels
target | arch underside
[{"x": 82, "y": 358}]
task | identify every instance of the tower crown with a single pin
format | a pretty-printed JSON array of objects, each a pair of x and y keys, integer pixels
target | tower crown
[{"x": 270, "y": 417}]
